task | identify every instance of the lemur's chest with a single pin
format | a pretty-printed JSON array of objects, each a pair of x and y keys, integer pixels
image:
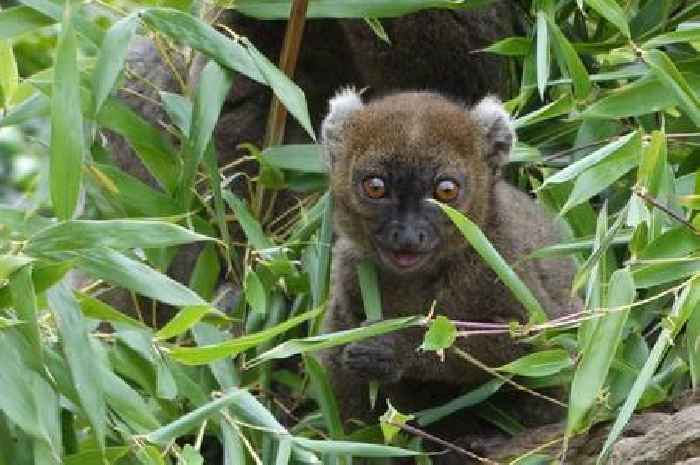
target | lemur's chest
[{"x": 477, "y": 297}]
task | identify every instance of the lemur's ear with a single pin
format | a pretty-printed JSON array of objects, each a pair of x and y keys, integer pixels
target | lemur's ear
[
  {"x": 345, "y": 101},
  {"x": 498, "y": 130}
]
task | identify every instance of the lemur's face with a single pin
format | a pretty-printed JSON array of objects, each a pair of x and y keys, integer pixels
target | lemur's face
[{"x": 394, "y": 156}]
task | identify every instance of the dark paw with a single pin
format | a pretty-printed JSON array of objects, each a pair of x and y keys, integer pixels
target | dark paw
[{"x": 373, "y": 359}]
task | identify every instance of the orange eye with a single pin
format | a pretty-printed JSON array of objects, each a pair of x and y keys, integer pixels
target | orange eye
[
  {"x": 446, "y": 190},
  {"x": 374, "y": 187}
]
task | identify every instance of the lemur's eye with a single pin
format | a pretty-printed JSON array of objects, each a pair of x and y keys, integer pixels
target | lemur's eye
[
  {"x": 446, "y": 190},
  {"x": 374, "y": 187}
]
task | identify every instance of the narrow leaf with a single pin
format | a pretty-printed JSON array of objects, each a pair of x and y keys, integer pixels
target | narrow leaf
[
  {"x": 67, "y": 139},
  {"x": 110, "y": 59},
  {"x": 81, "y": 362},
  {"x": 485, "y": 249}
]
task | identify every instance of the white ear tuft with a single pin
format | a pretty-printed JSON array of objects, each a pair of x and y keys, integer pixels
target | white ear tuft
[
  {"x": 498, "y": 129},
  {"x": 346, "y": 101}
]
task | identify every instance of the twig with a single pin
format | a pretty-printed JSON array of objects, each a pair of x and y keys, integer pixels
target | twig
[
  {"x": 288, "y": 61},
  {"x": 652, "y": 201},
  {"x": 467, "y": 356},
  {"x": 442, "y": 442},
  {"x": 277, "y": 118},
  {"x": 571, "y": 150}
]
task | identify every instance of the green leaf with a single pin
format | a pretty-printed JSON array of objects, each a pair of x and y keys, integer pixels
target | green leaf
[
  {"x": 574, "y": 65},
  {"x": 306, "y": 158},
  {"x": 495, "y": 261},
  {"x": 543, "y": 56},
  {"x": 389, "y": 421},
  {"x": 81, "y": 362},
  {"x": 190, "y": 456},
  {"x": 185, "y": 28},
  {"x": 156, "y": 153},
  {"x": 610, "y": 10},
  {"x": 624, "y": 146},
  {"x": 539, "y": 364},
  {"x": 511, "y": 46},
  {"x": 643, "y": 96},
  {"x": 674, "y": 37},
  {"x": 99, "y": 310},
  {"x": 598, "y": 177},
  {"x": 324, "y": 341},
  {"x": 9, "y": 76},
  {"x": 214, "y": 84},
  {"x": 355, "y": 449},
  {"x": 685, "y": 305},
  {"x": 599, "y": 352},
  {"x": 251, "y": 227},
  {"x": 25, "y": 305},
  {"x": 117, "y": 268},
  {"x": 185, "y": 319},
  {"x": 20, "y": 19},
  {"x": 67, "y": 139},
  {"x": 601, "y": 248},
  {"x": 323, "y": 393},
  {"x": 441, "y": 335},
  {"x": 673, "y": 80},
  {"x": 193, "y": 419},
  {"x": 471, "y": 398},
  {"x": 134, "y": 196},
  {"x": 255, "y": 293},
  {"x": 11, "y": 263},
  {"x": 96, "y": 456},
  {"x": 560, "y": 106},
  {"x": 693, "y": 343},
  {"x": 86, "y": 27},
  {"x": 38, "y": 105},
  {"x": 369, "y": 288},
  {"x": 204, "y": 354},
  {"x": 284, "y": 88},
  {"x": 110, "y": 59},
  {"x": 179, "y": 109},
  {"x": 655, "y": 274},
  {"x": 115, "y": 234}
]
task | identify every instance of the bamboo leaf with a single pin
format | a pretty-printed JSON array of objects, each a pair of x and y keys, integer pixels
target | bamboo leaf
[
  {"x": 20, "y": 19},
  {"x": 67, "y": 139},
  {"x": 115, "y": 234},
  {"x": 117, "y": 268},
  {"x": 610, "y": 10},
  {"x": 110, "y": 59},
  {"x": 485, "y": 249},
  {"x": 204, "y": 354},
  {"x": 577, "y": 71},
  {"x": 673, "y": 80},
  {"x": 684, "y": 306},
  {"x": 599, "y": 352},
  {"x": 624, "y": 146},
  {"x": 214, "y": 84},
  {"x": 193, "y": 419},
  {"x": 539, "y": 364},
  {"x": 81, "y": 362},
  {"x": 324, "y": 341},
  {"x": 543, "y": 56}
]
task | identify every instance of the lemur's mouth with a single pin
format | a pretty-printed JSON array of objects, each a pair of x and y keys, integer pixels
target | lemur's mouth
[{"x": 405, "y": 260}]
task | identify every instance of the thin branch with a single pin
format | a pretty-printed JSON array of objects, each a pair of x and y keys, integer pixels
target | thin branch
[
  {"x": 442, "y": 442},
  {"x": 652, "y": 201},
  {"x": 470, "y": 358}
]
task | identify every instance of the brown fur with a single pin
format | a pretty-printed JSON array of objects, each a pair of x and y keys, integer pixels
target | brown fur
[{"x": 416, "y": 133}]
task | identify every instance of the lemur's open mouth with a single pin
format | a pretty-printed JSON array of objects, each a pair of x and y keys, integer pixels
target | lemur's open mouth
[{"x": 404, "y": 259}]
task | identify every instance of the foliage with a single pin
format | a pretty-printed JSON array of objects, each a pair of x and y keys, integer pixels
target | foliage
[{"x": 606, "y": 109}]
